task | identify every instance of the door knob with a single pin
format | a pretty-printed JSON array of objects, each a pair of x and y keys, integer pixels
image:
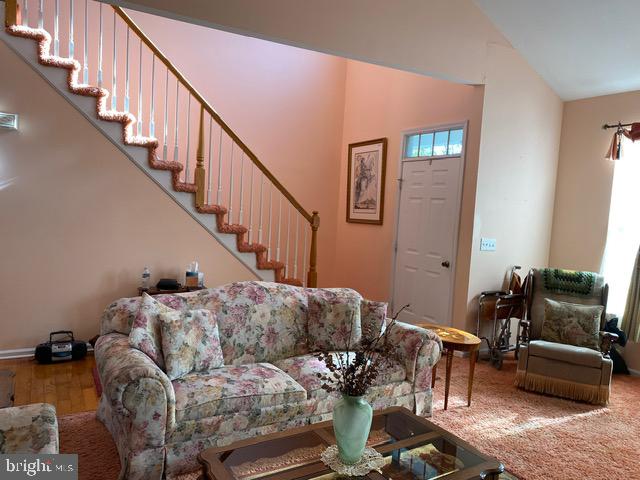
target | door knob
[{"x": 446, "y": 264}]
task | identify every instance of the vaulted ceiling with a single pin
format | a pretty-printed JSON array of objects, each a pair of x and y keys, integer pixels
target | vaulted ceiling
[{"x": 582, "y": 48}]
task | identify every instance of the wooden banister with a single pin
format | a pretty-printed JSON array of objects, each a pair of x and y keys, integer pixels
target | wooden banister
[
  {"x": 312, "y": 275},
  {"x": 10, "y": 13},
  {"x": 210, "y": 110},
  {"x": 200, "y": 173}
]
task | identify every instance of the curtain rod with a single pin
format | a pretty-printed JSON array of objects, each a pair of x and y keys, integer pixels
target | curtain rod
[{"x": 618, "y": 125}]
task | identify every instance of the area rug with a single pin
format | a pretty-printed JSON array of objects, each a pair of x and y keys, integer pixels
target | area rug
[
  {"x": 6, "y": 388},
  {"x": 535, "y": 436},
  {"x": 542, "y": 437}
]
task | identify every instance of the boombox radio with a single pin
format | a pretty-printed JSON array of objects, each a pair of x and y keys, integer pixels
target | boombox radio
[{"x": 65, "y": 347}]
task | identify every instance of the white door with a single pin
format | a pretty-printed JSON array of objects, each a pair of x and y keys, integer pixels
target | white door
[{"x": 426, "y": 239}]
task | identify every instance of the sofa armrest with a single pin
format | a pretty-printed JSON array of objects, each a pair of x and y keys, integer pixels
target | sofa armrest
[
  {"x": 136, "y": 388},
  {"x": 418, "y": 349},
  {"x": 607, "y": 339}
]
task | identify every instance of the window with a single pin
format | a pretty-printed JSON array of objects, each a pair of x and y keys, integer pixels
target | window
[
  {"x": 434, "y": 143},
  {"x": 623, "y": 234}
]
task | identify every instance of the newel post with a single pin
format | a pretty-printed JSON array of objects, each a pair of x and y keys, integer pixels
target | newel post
[
  {"x": 200, "y": 172},
  {"x": 312, "y": 275},
  {"x": 10, "y": 13}
]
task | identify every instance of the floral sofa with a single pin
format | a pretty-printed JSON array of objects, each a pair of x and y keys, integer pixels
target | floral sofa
[{"x": 268, "y": 381}]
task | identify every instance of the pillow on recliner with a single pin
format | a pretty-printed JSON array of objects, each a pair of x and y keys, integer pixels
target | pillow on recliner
[
  {"x": 334, "y": 313},
  {"x": 572, "y": 324},
  {"x": 190, "y": 342}
]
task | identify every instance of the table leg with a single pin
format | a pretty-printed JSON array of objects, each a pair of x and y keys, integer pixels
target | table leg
[
  {"x": 448, "y": 377},
  {"x": 434, "y": 370},
  {"x": 473, "y": 358}
]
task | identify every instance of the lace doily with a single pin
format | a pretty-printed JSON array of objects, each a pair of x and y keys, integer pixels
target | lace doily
[{"x": 371, "y": 460}]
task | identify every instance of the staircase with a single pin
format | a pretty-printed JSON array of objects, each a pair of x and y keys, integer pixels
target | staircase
[{"x": 105, "y": 66}]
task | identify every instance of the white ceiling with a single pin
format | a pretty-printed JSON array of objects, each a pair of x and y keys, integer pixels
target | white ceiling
[{"x": 582, "y": 48}]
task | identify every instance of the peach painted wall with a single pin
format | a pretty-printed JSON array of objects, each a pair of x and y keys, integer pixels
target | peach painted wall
[
  {"x": 585, "y": 178},
  {"x": 521, "y": 125},
  {"x": 286, "y": 103},
  {"x": 382, "y": 102},
  {"x": 79, "y": 220}
]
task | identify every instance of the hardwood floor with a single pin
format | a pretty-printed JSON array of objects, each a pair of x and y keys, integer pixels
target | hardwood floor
[{"x": 69, "y": 385}]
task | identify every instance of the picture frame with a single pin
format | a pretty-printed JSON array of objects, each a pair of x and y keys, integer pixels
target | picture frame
[{"x": 366, "y": 174}]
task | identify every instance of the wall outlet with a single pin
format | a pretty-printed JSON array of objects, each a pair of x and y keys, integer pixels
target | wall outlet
[{"x": 487, "y": 244}]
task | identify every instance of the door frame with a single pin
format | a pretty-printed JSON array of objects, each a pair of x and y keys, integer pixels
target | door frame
[{"x": 402, "y": 160}]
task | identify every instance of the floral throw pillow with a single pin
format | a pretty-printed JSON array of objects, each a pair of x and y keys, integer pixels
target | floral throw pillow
[
  {"x": 373, "y": 316},
  {"x": 190, "y": 342},
  {"x": 572, "y": 324},
  {"x": 334, "y": 319},
  {"x": 145, "y": 332}
]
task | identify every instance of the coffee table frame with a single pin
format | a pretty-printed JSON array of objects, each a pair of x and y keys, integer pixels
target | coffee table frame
[{"x": 213, "y": 469}]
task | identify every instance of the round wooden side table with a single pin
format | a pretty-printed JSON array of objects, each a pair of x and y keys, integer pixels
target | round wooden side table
[{"x": 455, "y": 340}]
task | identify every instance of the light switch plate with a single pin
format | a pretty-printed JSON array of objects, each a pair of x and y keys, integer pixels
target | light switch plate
[{"x": 487, "y": 244}]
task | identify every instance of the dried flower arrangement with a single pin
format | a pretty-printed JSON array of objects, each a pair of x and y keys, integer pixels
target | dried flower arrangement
[{"x": 353, "y": 371}]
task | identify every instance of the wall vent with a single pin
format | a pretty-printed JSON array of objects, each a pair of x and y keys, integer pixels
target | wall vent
[{"x": 9, "y": 121}]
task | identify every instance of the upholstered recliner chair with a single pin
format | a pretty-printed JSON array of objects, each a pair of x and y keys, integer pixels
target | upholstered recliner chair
[{"x": 562, "y": 357}]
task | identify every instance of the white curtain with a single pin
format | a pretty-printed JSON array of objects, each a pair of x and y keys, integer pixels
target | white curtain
[{"x": 623, "y": 235}]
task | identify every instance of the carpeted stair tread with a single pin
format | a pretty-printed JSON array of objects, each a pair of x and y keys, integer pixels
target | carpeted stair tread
[{"x": 128, "y": 120}]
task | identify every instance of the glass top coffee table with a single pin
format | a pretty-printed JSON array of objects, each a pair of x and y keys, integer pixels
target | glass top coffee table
[{"x": 413, "y": 447}]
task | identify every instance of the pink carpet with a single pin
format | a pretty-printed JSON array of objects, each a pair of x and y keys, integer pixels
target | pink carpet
[
  {"x": 541, "y": 437},
  {"x": 535, "y": 436}
]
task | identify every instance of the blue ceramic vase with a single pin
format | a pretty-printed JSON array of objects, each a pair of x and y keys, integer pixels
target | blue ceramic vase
[{"x": 351, "y": 424}]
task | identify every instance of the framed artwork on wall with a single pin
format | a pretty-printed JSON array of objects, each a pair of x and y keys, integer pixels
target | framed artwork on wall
[{"x": 366, "y": 176}]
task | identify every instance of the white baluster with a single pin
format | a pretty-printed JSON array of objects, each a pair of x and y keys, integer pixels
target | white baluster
[
  {"x": 251, "y": 204},
  {"x": 152, "y": 111},
  {"x": 209, "y": 163},
  {"x": 72, "y": 46},
  {"x": 260, "y": 209},
  {"x": 25, "y": 14},
  {"x": 85, "y": 69},
  {"x": 270, "y": 222},
  {"x": 279, "y": 229},
  {"x": 140, "y": 90},
  {"x": 286, "y": 258},
  {"x": 56, "y": 32},
  {"x": 114, "y": 87},
  {"x": 304, "y": 259},
  {"x": 219, "y": 193},
  {"x": 127, "y": 99},
  {"x": 295, "y": 248},
  {"x": 100, "y": 50},
  {"x": 175, "y": 144},
  {"x": 231, "y": 186},
  {"x": 41, "y": 14},
  {"x": 166, "y": 115},
  {"x": 186, "y": 166},
  {"x": 241, "y": 216}
]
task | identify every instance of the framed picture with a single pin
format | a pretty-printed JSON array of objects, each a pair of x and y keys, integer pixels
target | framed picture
[{"x": 366, "y": 175}]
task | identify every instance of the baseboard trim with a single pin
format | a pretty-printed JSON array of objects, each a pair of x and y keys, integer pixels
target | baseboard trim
[
  {"x": 25, "y": 352},
  {"x": 635, "y": 373}
]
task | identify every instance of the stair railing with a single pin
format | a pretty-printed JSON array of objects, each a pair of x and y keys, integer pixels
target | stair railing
[{"x": 252, "y": 195}]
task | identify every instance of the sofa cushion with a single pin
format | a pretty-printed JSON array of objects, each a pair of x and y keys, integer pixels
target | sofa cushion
[
  {"x": 566, "y": 353},
  {"x": 373, "y": 316},
  {"x": 571, "y": 324},
  {"x": 190, "y": 342},
  {"x": 261, "y": 321},
  {"x": 334, "y": 318},
  {"x": 145, "y": 332},
  {"x": 234, "y": 388},
  {"x": 29, "y": 429},
  {"x": 304, "y": 369}
]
